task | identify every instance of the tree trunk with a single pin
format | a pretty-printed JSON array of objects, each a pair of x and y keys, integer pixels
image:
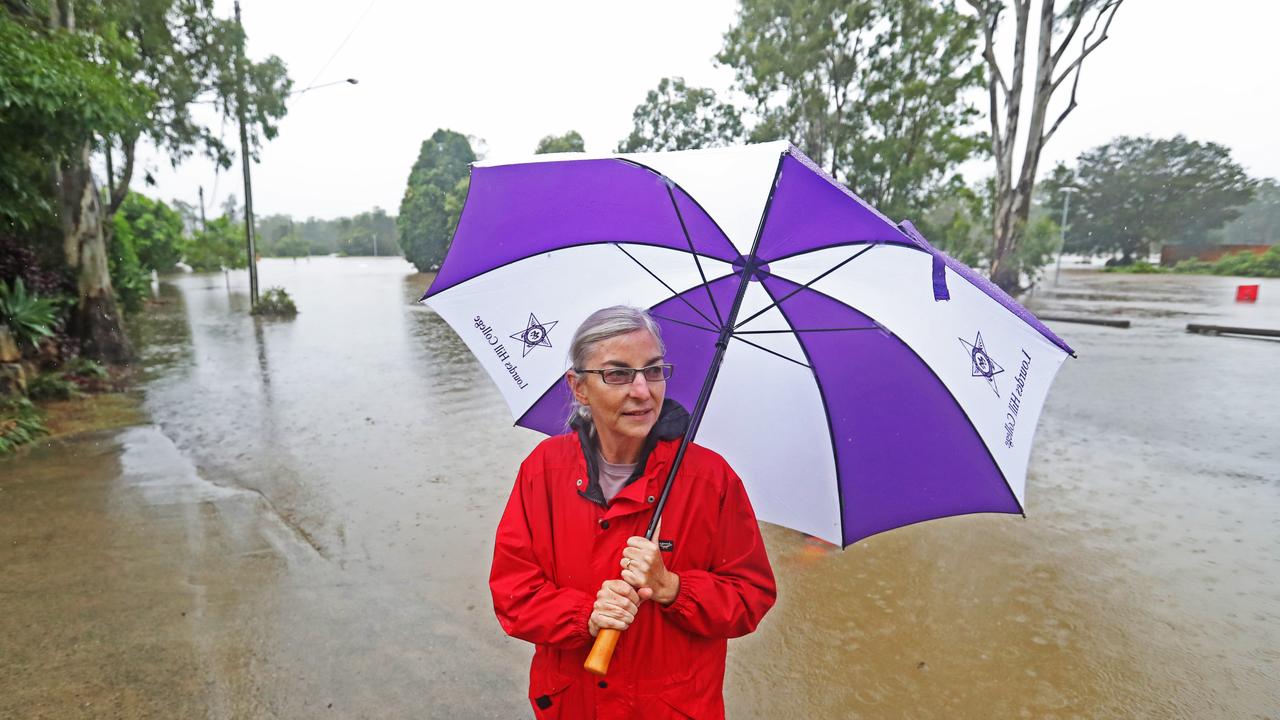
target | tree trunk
[
  {"x": 96, "y": 321},
  {"x": 1011, "y": 205}
]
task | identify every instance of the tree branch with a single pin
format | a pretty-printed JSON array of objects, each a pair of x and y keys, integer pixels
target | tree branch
[
  {"x": 121, "y": 190},
  {"x": 1078, "y": 65},
  {"x": 1086, "y": 48},
  {"x": 1066, "y": 40}
]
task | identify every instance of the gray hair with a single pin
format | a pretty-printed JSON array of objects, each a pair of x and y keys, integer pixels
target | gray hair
[{"x": 599, "y": 326}]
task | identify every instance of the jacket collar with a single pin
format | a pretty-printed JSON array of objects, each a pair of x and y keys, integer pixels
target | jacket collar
[{"x": 673, "y": 421}]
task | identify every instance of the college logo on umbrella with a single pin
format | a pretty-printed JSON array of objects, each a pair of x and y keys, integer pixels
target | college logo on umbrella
[
  {"x": 537, "y": 334},
  {"x": 983, "y": 365}
]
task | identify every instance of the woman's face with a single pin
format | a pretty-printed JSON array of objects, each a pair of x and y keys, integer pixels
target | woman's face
[{"x": 623, "y": 414}]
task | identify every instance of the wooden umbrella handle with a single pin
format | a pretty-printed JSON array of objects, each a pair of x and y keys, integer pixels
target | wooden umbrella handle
[{"x": 602, "y": 651}]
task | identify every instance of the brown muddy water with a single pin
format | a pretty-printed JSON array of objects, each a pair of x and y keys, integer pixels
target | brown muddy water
[{"x": 303, "y": 529}]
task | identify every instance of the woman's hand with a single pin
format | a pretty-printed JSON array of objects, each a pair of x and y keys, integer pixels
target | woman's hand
[
  {"x": 616, "y": 606},
  {"x": 643, "y": 569}
]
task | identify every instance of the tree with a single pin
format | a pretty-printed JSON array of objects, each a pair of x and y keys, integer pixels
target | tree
[
  {"x": 568, "y": 142},
  {"x": 675, "y": 116},
  {"x": 169, "y": 55},
  {"x": 1259, "y": 221},
  {"x": 433, "y": 198},
  {"x": 1058, "y": 26},
  {"x": 219, "y": 246},
  {"x": 1135, "y": 192},
  {"x": 152, "y": 229},
  {"x": 872, "y": 90}
]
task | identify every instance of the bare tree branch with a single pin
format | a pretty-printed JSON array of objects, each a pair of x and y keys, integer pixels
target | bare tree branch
[
  {"x": 1066, "y": 40},
  {"x": 1078, "y": 65},
  {"x": 1086, "y": 47}
]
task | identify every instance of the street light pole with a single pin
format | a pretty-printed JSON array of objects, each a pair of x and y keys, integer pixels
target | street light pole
[
  {"x": 250, "y": 246},
  {"x": 1062, "y": 231}
]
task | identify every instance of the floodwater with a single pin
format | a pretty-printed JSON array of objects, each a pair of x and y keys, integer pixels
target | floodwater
[{"x": 304, "y": 527}]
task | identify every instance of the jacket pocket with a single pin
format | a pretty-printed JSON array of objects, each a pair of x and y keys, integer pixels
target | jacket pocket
[
  {"x": 683, "y": 697},
  {"x": 547, "y": 694}
]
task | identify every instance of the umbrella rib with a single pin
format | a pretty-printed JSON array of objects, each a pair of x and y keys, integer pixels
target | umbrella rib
[
  {"x": 656, "y": 316},
  {"x": 805, "y": 286},
  {"x": 679, "y": 296},
  {"x": 697, "y": 261},
  {"x": 805, "y": 330},
  {"x": 773, "y": 352}
]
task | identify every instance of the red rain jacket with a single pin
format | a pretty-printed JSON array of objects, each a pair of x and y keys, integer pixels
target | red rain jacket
[{"x": 555, "y": 547}]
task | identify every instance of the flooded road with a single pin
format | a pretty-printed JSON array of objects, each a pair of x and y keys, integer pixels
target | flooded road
[{"x": 304, "y": 527}]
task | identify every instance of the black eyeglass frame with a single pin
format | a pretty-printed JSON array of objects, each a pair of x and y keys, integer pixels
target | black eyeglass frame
[{"x": 667, "y": 370}]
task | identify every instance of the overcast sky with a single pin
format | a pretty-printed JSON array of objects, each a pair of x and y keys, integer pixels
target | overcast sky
[{"x": 513, "y": 72}]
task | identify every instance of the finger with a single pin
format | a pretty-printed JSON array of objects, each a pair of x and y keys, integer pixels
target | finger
[
  {"x": 639, "y": 542},
  {"x": 645, "y": 593},
  {"x": 622, "y": 604},
  {"x": 634, "y": 580}
]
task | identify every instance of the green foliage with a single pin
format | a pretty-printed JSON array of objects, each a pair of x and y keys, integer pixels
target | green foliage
[
  {"x": 1137, "y": 192},
  {"x": 292, "y": 245},
  {"x": 20, "y": 423},
  {"x": 220, "y": 245},
  {"x": 1259, "y": 221},
  {"x": 960, "y": 225},
  {"x": 29, "y": 317},
  {"x": 52, "y": 386},
  {"x": 84, "y": 369},
  {"x": 1141, "y": 267},
  {"x": 675, "y": 116},
  {"x": 152, "y": 229},
  {"x": 130, "y": 281},
  {"x": 275, "y": 301},
  {"x": 873, "y": 90},
  {"x": 568, "y": 142},
  {"x": 433, "y": 199},
  {"x": 1241, "y": 264},
  {"x": 58, "y": 91}
]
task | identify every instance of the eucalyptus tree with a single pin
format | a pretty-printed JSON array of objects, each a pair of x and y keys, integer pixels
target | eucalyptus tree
[
  {"x": 165, "y": 58},
  {"x": 1049, "y": 43},
  {"x": 676, "y": 116},
  {"x": 568, "y": 142},
  {"x": 872, "y": 90}
]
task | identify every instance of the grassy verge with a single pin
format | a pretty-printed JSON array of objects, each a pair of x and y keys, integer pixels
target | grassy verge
[{"x": 1243, "y": 264}]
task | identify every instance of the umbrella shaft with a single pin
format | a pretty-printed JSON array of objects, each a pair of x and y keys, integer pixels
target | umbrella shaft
[{"x": 700, "y": 407}]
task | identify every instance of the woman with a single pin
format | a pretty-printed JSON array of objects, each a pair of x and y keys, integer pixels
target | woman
[{"x": 570, "y": 557}]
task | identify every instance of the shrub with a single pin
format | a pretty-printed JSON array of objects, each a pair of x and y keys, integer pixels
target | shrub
[
  {"x": 29, "y": 318},
  {"x": 275, "y": 301},
  {"x": 20, "y": 423},
  {"x": 52, "y": 386}
]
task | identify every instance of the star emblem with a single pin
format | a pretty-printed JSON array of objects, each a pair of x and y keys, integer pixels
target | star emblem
[
  {"x": 982, "y": 364},
  {"x": 537, "y": 334}
]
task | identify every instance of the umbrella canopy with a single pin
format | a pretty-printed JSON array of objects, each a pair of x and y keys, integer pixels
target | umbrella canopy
[{"x": 867, "y": 381}]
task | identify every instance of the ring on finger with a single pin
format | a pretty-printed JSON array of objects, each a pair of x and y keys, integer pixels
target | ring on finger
[{"x": 626, "y": 562}]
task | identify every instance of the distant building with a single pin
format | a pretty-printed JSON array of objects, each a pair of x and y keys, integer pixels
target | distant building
[{"x": 1171, "y": 255}]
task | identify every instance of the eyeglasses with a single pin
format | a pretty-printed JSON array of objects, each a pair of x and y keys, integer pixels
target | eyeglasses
[{"x": 626, "y": 376}]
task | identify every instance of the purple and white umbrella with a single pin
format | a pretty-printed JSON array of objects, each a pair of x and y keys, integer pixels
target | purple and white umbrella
[{"x": 855, "y": 377}]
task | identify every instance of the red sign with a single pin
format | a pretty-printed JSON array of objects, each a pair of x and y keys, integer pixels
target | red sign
[{"x": 1247, "y": 293}]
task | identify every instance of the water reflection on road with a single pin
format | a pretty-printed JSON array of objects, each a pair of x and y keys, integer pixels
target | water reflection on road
[{"x": 307, "y": 524}]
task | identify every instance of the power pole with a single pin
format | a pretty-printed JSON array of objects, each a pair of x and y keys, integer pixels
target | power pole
[
  {"x": 203, "y": 226},
  {"x": 375, "y": 244},
  {"x": 244, "y": 156}
]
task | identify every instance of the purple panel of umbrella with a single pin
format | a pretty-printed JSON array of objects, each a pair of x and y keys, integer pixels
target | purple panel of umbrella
[
  {"x": 517, "y": 211},
  {"x": 905, "y": 450}
]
